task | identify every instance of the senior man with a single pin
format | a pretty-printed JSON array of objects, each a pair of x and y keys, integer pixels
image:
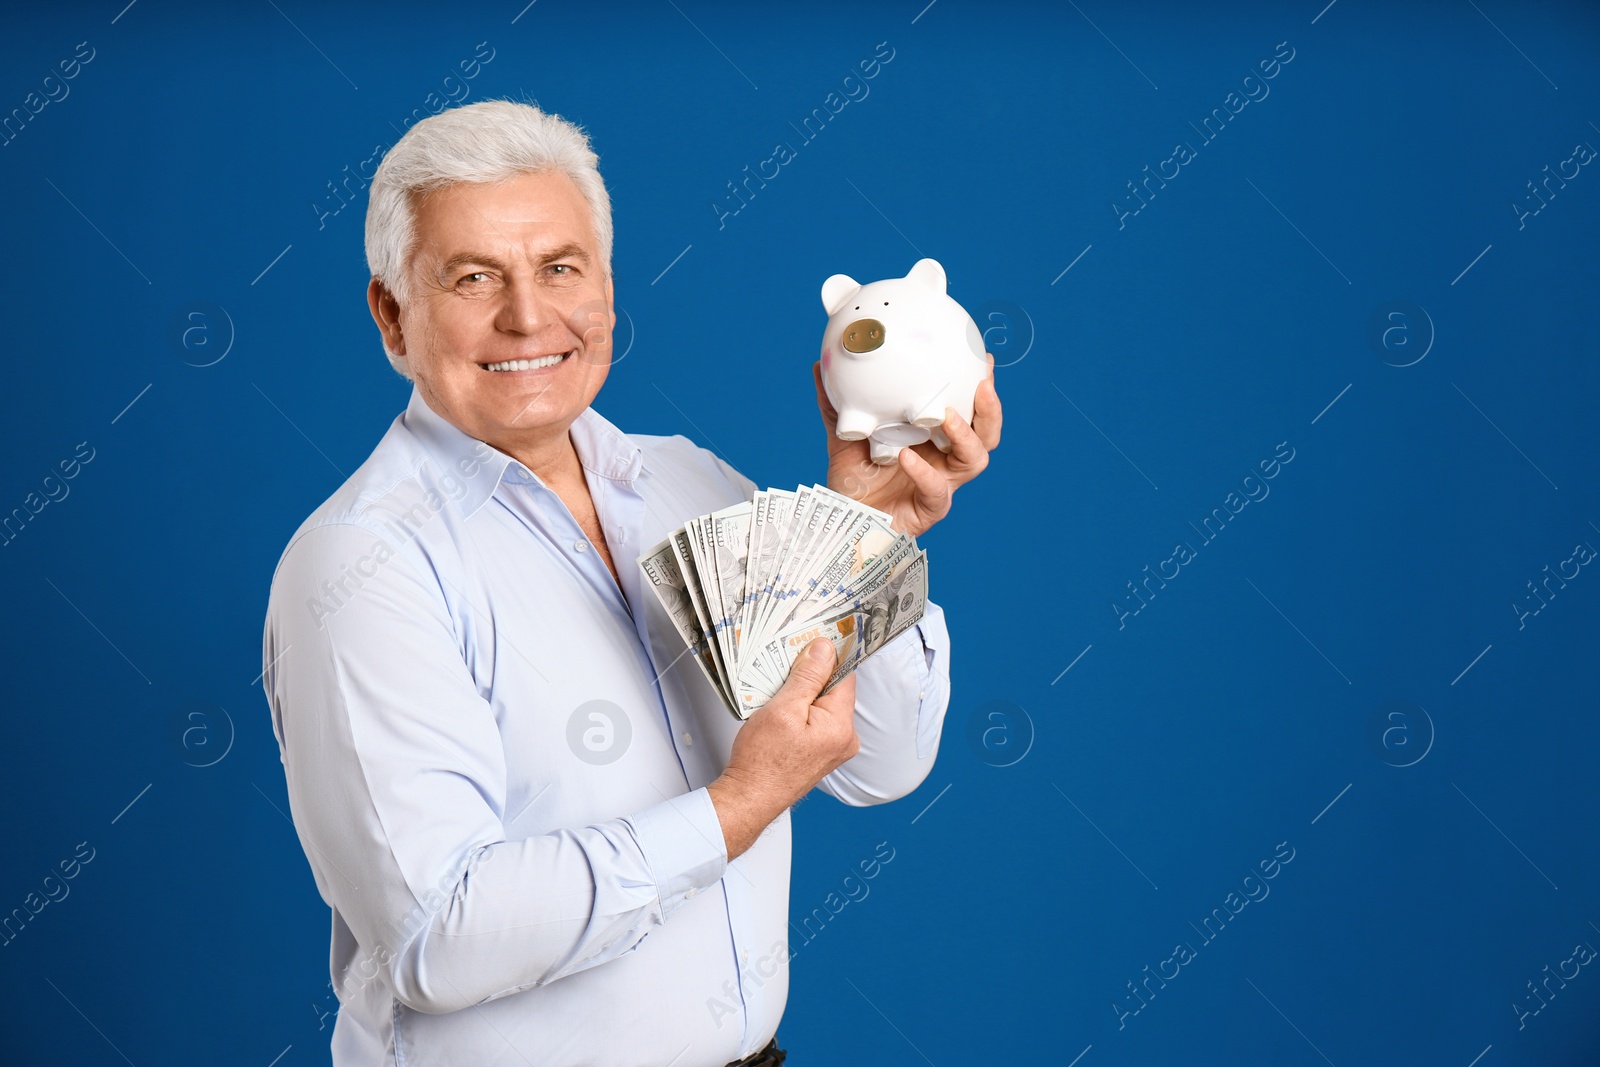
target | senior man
[{"x": 543, "y": 838}]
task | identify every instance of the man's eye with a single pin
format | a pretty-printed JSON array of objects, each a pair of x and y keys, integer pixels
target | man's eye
[
  {"x": 566, "y": 268},
  {"x": 476, "y": 276}
]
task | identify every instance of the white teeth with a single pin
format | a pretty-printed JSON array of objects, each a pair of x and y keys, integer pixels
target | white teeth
[{"x": 528, "y": 364}]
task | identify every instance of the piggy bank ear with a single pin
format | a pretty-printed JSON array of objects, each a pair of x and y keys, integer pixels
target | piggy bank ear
[
  {"x": 836, "y": 290},
  {"x": 927, "y": 272}
]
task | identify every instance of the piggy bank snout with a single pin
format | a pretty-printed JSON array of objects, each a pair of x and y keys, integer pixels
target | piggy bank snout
[{"x": 863, "y": 335}]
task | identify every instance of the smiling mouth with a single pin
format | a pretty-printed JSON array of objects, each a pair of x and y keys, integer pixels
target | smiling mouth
[{"x": 528, "y": 364}]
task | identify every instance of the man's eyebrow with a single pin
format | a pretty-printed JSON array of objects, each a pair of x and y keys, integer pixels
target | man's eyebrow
[
  {"x": 464, "y": 259},
  {"x": 566, "y": 251}
]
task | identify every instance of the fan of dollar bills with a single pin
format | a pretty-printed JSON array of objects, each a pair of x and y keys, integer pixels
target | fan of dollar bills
[{"x": 750, "y": 586}]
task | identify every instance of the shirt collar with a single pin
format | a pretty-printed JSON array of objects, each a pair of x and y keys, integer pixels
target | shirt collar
[{"x": 603, "y": 450}]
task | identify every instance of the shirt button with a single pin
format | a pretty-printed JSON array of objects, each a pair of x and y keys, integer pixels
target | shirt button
[
  {"x": 687, "y": 739},
  {"x": 580, "y": 546},
  {"x": 692, "y": 891},
  {"x": 923, "y": 695}
]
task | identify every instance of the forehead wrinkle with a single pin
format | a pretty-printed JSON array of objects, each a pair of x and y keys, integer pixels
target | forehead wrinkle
[
  {"x": 468, "y": 201},
  {"x": 568, "y": 249}
]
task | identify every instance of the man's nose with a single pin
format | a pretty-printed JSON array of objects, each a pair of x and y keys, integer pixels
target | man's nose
[
  {"x": 863, "y": 335},
  {"x": 527, "y": 309}
]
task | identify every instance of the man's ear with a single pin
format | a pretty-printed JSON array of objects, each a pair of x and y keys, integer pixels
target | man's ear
[
  {"x": 386, "y": 313},
  {"x": 611, "y": 302}
]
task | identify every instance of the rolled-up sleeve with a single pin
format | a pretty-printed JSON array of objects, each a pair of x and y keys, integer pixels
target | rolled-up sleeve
[
  {"x": 902, "y": 694},
  {"x": 397, "y": 783}
]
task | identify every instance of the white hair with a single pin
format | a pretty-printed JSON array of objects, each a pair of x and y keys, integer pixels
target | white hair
[{"x": 490, "y": 141}]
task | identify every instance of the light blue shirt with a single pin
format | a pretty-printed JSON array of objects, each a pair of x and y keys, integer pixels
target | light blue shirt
[{"x": 497, "y": 761}]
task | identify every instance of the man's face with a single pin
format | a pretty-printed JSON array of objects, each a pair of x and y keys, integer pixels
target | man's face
[{"x": 504, "y": 273}]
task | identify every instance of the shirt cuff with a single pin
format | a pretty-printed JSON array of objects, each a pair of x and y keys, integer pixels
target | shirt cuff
[{"x": 682, "y": 842}]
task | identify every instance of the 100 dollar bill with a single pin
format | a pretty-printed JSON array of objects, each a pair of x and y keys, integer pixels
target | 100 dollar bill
[{"x": 748, "y": 587}]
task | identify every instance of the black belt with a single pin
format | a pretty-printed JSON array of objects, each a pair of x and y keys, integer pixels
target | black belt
[{"x": 771, "y": 1056}]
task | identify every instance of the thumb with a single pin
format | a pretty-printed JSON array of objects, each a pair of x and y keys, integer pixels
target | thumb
[{"x": 811, "y": 671}]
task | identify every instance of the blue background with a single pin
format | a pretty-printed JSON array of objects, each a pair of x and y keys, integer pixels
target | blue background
[{"x": 1078, "y": 820}]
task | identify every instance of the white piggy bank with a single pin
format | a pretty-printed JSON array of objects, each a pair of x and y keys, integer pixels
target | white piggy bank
[{"x": 895, "y": 353}]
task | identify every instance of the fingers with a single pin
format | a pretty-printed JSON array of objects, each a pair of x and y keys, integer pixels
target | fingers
[
  {"x": 841, "y": 699},
  {"x": 809, "y": 673},
  {"x": 968, "y": 452},
  {"x": 834, "y": 714},
  {"x": 931, "y": 495},
  {"x": 986, "y": 415},
  {"x": 839, "y": 704}
]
